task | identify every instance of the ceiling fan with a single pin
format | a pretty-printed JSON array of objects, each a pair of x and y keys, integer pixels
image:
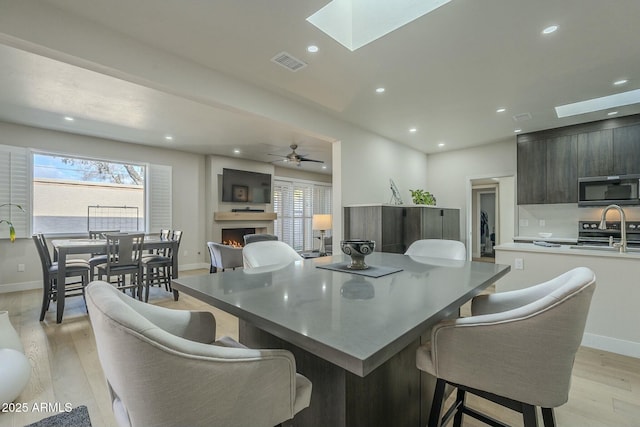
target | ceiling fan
[{"x": 295, "y": 157}]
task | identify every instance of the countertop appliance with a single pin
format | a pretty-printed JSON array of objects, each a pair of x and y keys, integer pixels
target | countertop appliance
[
  {"x": 607, "y": 190},
  {"x": 589, "y": 234}
]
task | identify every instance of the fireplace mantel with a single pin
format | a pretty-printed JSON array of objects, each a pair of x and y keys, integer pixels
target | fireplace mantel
[{"x": 244, "y": 216}]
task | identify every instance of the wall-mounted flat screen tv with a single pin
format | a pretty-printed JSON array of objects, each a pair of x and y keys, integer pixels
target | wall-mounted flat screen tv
[{"x": 245, "y": 187}]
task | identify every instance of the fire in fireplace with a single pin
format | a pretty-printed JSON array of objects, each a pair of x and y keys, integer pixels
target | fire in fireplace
[{"x": 235, "y": 236}]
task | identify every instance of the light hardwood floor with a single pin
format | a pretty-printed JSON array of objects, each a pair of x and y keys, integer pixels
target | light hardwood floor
[{"x": 605, "y": 387}]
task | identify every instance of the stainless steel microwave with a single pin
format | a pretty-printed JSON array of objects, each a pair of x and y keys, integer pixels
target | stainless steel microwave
[{"x": 606, "y": 190}]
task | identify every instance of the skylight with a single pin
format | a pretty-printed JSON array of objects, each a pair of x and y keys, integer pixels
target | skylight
[
  {"x": 355, "y": 23},
  {"x": 598, "y": 104}
]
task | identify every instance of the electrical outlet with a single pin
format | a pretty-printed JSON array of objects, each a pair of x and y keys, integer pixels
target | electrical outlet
[
  {"x": 518, "y": 264},
  {"x": 542, "y": 223},
  {"x": 21, "y": 268}
]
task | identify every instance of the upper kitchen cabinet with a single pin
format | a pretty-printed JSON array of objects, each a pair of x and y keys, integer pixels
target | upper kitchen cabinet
[
  {"x": 609, "y": 152},
  {"x": 532, "y": 172},
  {"x": 626, "y": 150},
  {"x": 595, "y": 153},
  {"x": 551, "y": 161},
  {"x": 547, "y": 170},
  {"x": 561, "y": 170}
]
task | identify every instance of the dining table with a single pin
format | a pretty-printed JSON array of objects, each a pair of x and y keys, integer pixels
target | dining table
[
  {"x": 64, "y": 247},
  {"x": 354, "y": 333}
]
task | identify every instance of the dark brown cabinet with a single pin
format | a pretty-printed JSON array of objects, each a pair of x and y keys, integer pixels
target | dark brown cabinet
[
  {"x": 595, "y": 153},
  {"x": 547, "y": 170},
  {"x": 551, "y": 162},
  {"x": 626, "y": 150},
  {"x": 532, "y": 172},
  {"x": 394, "y": 228},
  {"x": 431, "y": 223},
  {"x": 383, "y": 224}
]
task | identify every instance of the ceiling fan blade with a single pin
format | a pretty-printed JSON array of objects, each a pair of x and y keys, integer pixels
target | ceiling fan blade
[{"x": 310, "y": 160}]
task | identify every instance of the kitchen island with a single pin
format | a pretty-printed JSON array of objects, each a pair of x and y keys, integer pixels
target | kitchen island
[{"x": 614, "y": 317}]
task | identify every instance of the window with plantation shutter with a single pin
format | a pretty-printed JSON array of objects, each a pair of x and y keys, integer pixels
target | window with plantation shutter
[
  {"x": 295, "y": 202},
  {"x": 159, "y": 192},
  {"x": 14, "y": 189}
]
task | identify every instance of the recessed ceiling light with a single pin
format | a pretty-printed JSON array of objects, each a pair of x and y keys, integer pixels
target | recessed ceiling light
[
  {"x": 236, "y": 151},
  {"x": 380, "y": 90},
  {"x": 517, "y": 131},
  {"x": 501, "y": 110},
  {"x": 168, "y": 138},
  {"x": 69, "y": 119},
  {"x": 612, "y": 113},
  {"x": 598, "y": 104},
  {"x": 324, "y": 166},
  {"x": 550, "y": 29},
  {"x": 620, "y": 82},
  {"x": 413, "y": 130},
  {"x": 312, "y": 48},
  {"x": 441, "y": 144}
]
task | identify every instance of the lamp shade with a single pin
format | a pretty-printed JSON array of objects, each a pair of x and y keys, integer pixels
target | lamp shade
[{"x": 321, "y": 222}]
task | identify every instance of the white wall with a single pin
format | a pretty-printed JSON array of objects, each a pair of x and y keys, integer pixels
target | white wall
[
  {"x": 188, "y": 194},
  {"x": 448, "y": 173}
]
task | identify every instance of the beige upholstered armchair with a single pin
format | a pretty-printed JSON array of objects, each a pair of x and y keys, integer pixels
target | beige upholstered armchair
[
  {"x": 517, "y": 348},
  {"x": 224, "y": 256},
  {"x": 163, "y": 368}
]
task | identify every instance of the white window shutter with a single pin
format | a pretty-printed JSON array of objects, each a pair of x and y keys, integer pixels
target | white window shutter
[
  {"x": 159, "y": 190},
  {"x": 14, "y": 188}
]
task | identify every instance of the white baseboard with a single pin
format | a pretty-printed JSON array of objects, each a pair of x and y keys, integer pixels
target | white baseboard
[
  {"x": 37, "y": 284},
  {"x": 23, "y": 286},
  {"x": 614, "y": 345}
]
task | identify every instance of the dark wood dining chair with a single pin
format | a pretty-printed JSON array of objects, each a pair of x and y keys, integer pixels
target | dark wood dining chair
[
  {"x": 124, "y": 258},
  {"x": 98, "y": 259},
  {"x": 158, "y": 267},
  {"x": 73, "y": 267}
]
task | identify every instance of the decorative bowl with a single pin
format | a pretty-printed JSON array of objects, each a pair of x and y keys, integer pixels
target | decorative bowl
[
  {"x": 545, "y": 235},
  {"x": 357, "y": 249}
]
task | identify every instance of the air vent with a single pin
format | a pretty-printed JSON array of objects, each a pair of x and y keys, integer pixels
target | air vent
[
  {"x": 522, "y": 117},
  {"x": 288, "y": 61}
]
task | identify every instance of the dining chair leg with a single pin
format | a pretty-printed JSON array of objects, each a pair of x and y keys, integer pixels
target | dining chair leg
[
  {"x": 548, "y": 417},
  {"x": 529, "y": 415},
  {"x": 460, "y": 403},
  {"x": 436, "y": 404},
  {"x": 46, "y": 299}
]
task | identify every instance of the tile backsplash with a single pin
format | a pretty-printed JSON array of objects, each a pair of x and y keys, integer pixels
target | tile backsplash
[{"x": 562, "y": 219}]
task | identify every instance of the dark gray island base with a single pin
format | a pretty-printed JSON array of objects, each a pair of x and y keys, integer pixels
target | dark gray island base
[{"x": 354, "y": 337}]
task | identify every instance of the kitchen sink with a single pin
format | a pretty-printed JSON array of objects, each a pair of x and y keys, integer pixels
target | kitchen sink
[{"x": 603, "y": 248}]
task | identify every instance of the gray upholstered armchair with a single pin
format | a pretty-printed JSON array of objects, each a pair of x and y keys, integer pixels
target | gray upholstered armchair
[
  {"x": 224, "y": 256},
  {"x": 163, "y": 368},
  {"x": 517, "y": 348}
]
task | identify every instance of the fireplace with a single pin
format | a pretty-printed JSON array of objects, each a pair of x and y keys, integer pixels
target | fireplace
[{"x": 235, "y": 236}]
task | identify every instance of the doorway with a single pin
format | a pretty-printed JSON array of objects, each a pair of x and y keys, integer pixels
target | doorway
[{"x": 490, "y": 216}]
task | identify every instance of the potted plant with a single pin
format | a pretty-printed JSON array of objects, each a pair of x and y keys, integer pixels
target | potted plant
[
  {"x": 12, "y": 231},
  {"x": 422, "y": 197}
]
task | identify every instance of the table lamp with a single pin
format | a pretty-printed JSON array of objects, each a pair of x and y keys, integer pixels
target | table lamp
[{"x": 321, "y": 222}]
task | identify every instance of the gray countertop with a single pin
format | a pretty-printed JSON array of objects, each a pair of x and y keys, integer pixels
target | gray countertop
[{"x": 353, "y": 321}]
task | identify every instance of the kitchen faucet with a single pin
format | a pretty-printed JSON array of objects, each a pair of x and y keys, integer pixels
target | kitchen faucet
[{"x": 623, "y": 226}]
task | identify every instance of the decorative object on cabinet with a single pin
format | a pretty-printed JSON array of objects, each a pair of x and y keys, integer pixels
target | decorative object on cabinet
[
  {"x": 422, "y": 197},
  {"x": 395, "y": 194},
  {"x": 12, "y": 230}
]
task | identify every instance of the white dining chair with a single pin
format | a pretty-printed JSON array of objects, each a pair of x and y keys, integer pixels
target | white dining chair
[
  {"x": 517, "y": 349},
  {"x": 185, "y": 376},
  {"x": 268, "y": 252},
  {"x": 438, "y": 248}
]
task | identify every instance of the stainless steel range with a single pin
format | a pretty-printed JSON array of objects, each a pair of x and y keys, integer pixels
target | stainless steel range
[{"x": 589, "y": 234}]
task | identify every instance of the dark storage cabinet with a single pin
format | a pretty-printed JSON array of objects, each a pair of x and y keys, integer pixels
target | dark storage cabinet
[{"x": 394, "y": 228}]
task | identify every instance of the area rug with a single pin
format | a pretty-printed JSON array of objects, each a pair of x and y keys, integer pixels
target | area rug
[{"x": 77, "y": 417}]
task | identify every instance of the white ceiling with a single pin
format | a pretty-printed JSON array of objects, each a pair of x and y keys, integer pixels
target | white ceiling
[{"x": 445, "y": 73}]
